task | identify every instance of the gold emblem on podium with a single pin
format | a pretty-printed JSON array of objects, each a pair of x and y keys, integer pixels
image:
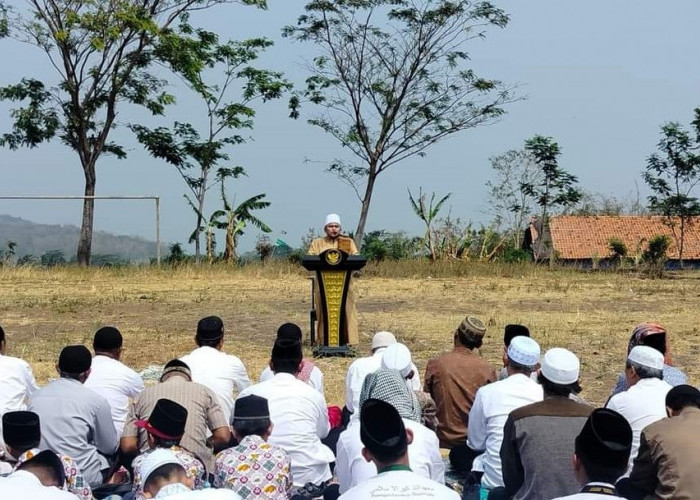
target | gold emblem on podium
[{"x": 333, "y": 257}]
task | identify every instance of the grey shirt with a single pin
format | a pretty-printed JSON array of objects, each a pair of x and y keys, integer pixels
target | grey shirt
[
  {"x": 77, "y": 422},
  {"x": 538, "y": 442}
]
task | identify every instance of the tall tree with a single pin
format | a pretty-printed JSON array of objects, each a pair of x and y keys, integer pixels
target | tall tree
[
  {"x": 201, "y": 157},
  {"x": 555, "y": 187},
  {"x": 392, "y": 79},
  {"x": 509, "y": 199},
  {"x": 427, "y": 211},
  {"x": 672, "y": 174},
  {"x": 102, "y": 53}
]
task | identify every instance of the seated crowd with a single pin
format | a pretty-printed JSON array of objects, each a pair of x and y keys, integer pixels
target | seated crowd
[{"x": 519, "y": 431}]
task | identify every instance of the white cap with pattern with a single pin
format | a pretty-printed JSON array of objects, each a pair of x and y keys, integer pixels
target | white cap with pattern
[
  {"x": 155, "y": 459},
  {"x": 524, "y": 351},
  {"x": 644, "y": 355},
  {"x": 383, "y": 339}
]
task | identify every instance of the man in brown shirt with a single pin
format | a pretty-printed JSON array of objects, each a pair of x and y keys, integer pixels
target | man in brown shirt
[
  {"x": 204, "y": 415},
  {"x": 669, "y": 451},
  {"x": 452, "y": 380}
]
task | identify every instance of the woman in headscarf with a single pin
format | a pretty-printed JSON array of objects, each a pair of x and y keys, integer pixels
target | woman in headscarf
[
  {"x": 423, "y": 451},
  {"x": 656, "y": 336}
]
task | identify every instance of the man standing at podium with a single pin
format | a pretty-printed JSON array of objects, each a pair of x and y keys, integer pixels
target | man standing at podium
[{"x": 335, "y": 240}]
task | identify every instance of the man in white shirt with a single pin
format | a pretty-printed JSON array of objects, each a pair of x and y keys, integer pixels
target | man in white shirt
[
  {"x": 386, "y": 442},
  {"x": 309, "y": 372},
  {"x": 223, "y": 373},
  {"x": 299, "y": 414},
  {"x": 602, "y": 450},
  {"x": 16, "y": 383},
  {"x": 39, "y": 478},
  {"x": 423, "y": 452},
  {"x": 359, "y": 369},
  {"x": 493, "y": 404},
  {"x": 645, "y": 401},
  {"x": 110, "y": 378},
  {"x": 164, "y": 477}
]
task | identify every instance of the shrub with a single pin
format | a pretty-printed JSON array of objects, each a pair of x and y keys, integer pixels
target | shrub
[{"x": 654, "y": 256}]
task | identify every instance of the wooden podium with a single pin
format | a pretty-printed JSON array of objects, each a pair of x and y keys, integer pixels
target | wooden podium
[{"x": 333, "y": 270}]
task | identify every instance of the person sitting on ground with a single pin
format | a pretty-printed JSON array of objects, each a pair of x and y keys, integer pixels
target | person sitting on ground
[
  {"x": 206, "y": 429},
  {"x": 509, "y": 333},
  {"x": 452, "y": 380},
  {"x": 645, "y": 401},
  {"x": 165, "y": 477},
  {"x": 22, "y": 435},
  {"x": 76, "y": 421},
  {"x": 398, "y": 357},
  {"x": 223, "y": 373},
  {"x": 17, "y": 383},
  {"x": 538, "y": 439},
  {"x": 39, "y": 478},
  {"x": 492, "y": 405},
  {"x": 110, "y": 378},
  {"x": 309, "y": 372},
  {"x": 656, "y": 336},
  {"x": 299, "y": 414},
  {"x": 668, "y": 461},
  {"x": 602, "y": 450},
  {"x": 386, "y": 441},
  {"x": 424, "y": 453},
  {"x": 165, "y": 427},
  {"x": 358, "y": 370},
  {"x": 254, "y": 469}
]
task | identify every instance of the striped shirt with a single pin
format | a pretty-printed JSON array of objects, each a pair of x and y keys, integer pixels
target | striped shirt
[{"x": 204, "y": 414}]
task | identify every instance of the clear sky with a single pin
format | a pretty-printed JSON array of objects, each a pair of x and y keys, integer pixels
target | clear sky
[{"x": 600, "y": 77}]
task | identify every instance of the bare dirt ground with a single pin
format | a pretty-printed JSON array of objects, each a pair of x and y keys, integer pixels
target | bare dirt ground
[{"x": 157, "y": 310}]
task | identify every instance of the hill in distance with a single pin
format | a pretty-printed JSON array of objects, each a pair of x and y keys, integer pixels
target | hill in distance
[{"x": 37, "y": 239}]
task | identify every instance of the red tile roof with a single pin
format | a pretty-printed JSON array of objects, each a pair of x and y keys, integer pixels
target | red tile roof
[{"x": 585, "y": 237}]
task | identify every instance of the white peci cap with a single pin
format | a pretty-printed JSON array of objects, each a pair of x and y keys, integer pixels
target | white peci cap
[
  {"x": 397, "y": 357},
  {"x": 560, "y": 366},
  {"x": 644, "y": 355},
  {"x": 332, "y": 219},
  {"x": 155, "y": 459},
  {"x": 524, "y": 350},
  {"x": 383, "y": 339}
]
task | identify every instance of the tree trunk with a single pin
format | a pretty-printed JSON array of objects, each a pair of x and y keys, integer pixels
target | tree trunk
[
  {"x": 366, "y": 200},
  {"x": 681, "y": 243},
  {"x": 85, "y": 239},
  {"x": 230, "y": 252}
]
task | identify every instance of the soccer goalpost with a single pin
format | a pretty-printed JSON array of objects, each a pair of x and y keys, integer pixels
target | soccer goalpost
[{"x": 155, "y": 198}]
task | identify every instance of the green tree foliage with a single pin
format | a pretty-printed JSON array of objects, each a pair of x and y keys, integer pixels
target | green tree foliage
[
  {"x": 383, "y": 245},
  {"x": 556, "y": 187},
  {"x": 392, "y": 78},
  {"x": 654, "y": 256},
  {"x": 509, "y": 199},
  {"x": 234, "y": 218},
  {"x": 53, "y": 258},
  {"x": 618, "y": 250},
  {"x": 103, "y": 55},
  {"x": 201, "y": 156},
  {"x": 427, "y": 211},
  {"x": 672, "y": 174}
]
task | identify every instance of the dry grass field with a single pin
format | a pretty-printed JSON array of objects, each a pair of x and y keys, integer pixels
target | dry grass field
[{"x": 157, "y": 311}]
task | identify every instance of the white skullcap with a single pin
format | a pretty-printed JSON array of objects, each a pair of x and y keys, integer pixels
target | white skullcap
[
  {"x": 154, "y": 459},
  {"x": 644, "y": 355},
  {"x": 383, "y": 339},
  {"x": 524, "y": 350},
  {"x": 332, "y": 219},
  {"x": 397, "y": 357},
  {"x": 560, "y": 366}
]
